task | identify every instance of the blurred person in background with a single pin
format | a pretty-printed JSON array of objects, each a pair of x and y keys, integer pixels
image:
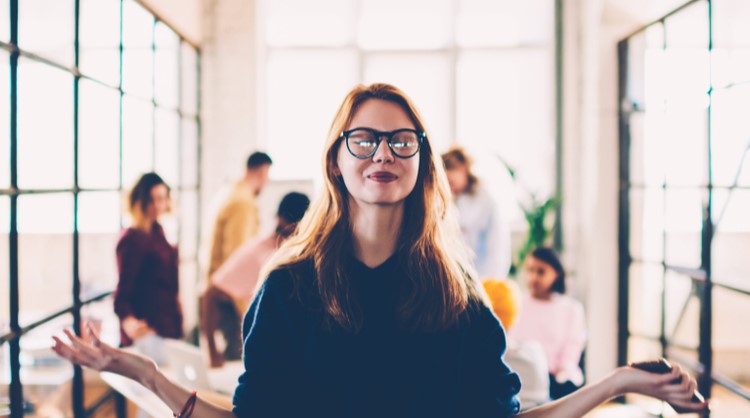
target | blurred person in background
[
  {"x": 147, "y": 295},
  {"x": 554, "y": 319},
  {"x": 481, "y": 226},
  {"x": 237, "y": 221},
  {"x": 238, "y": 218}
]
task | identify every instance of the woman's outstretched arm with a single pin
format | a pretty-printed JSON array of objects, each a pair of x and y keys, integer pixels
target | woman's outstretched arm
[
  {"x": 102, "y": 357},
  {"x": 621, "y": 381}
]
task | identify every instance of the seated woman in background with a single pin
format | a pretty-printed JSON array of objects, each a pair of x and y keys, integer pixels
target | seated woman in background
[
  {"x": 370, "y": 309},
  {"x": 146, "y": 297},
  {"x": 553, "y": 319}
]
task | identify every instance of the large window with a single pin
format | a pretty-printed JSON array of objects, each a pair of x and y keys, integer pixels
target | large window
[
  {"x": 88, "y": 102},
  {"x": 685, "y": 196},
  {"x": 481, "y": 73}
]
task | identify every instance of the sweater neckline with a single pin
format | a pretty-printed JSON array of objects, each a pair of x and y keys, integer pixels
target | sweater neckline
[{"x": 388, "y": 264}]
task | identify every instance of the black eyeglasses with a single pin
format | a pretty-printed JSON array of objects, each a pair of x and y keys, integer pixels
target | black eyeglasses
[{"x": 364, "y": 142}]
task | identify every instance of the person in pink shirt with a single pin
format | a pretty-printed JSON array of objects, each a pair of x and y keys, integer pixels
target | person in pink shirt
[
  {"x": 234, "y": 282},
  {"x": 553, "y": 319}
]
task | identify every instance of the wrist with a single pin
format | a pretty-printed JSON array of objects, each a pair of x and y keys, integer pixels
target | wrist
[
  {"x": 615, "y": 383},
  {"x": 147, "y": 375}
]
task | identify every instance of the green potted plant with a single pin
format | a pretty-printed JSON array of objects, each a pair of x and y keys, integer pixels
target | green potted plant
[{"x": 539, "y": 215}]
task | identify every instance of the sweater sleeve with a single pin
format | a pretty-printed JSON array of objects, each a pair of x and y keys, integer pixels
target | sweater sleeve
[
  {"x": 270, "y": 385},
  {"x": 130, "y": 257},
  {"x": 490, "y": 388}
]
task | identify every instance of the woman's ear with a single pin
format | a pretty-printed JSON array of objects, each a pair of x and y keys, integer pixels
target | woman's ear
[{"x": 336, "y": 171}]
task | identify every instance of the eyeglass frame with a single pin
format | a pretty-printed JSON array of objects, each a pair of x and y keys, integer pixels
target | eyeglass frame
[{"x": 421, "y": 136}]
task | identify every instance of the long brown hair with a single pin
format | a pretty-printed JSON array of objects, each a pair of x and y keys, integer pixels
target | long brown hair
[{"x": 434, "y": 260}]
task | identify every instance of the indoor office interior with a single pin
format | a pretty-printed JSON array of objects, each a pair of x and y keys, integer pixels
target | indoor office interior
[{"x": 616, "y": 129}]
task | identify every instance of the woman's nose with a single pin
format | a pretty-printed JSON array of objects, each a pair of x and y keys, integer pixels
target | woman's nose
[{"x": 383, "y": 153}]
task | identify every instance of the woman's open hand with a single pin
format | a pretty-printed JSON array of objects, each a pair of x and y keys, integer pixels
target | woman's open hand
[
  {"x": 100, "y": 356},
  {"x": 676, "y": 387}
]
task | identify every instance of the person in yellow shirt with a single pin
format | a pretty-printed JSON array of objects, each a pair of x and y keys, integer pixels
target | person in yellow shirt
[
  {"x": 237, "y": 222},
  {"x": 238, "y": 218}
]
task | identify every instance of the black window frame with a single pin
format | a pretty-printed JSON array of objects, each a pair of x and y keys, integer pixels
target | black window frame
[
  {"x": 702, "y": 280},
  {"x": 12, "y": 338}
]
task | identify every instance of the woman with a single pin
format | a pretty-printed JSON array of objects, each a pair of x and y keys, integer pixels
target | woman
[
  {"x": 146, "y": 298},
  {"x": 480, "y": 225},
  {"x": 368, "y": 310},
  {"x": 553, "y": 319}
]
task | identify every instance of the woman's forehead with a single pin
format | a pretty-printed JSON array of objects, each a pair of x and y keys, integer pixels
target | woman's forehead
[{"x": 381, "y": 115}]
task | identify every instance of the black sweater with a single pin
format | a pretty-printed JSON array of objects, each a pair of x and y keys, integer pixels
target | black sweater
[{"x": 297, "y": 367}]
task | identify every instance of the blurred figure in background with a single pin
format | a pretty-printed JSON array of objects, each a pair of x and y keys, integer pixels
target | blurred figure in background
[
  {"x": 238, "y": 218},
  {"x": 554, "y": 319},
  {"x": 237, "y": 221},
  {"x": 233, "y": 284},
  {"x": 481, "y": 226},
  {"x": 146, "y": 297}
]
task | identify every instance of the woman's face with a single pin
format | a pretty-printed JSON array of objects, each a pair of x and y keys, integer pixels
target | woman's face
[
  {"x": 458, "y": 177},
  {"x": 159, "y": 201},
  {"x": 382, "y": 179},
  {"x": 540, "y": 277}
]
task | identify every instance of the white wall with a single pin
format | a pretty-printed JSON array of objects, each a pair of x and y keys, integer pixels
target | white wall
[
  {"x": 590, "y": 207},
  {"x": 229, "y": 91},
  {"x": 592, "y": 30}
]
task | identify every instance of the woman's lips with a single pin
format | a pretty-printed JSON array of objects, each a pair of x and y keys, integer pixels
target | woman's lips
[{"x": 382, "y": 176}]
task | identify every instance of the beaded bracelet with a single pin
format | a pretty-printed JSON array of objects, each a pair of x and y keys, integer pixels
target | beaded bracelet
[{"x": 187, "y": 409}]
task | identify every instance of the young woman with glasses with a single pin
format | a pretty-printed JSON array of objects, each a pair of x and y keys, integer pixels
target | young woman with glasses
[{"x": 370, "y": 308}]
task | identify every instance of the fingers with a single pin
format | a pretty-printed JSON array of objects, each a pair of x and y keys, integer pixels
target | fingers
[
  {"x": 93, "y": 335},
  {"x": 80, "y": 352},
  {"x": 67, "y": 352},
  {"x": 87, "y": 353},
  {"x": 680, "y": 393},
  {"x": 667, "y": 378},
  {"x": 97, "y": 342},
  {"x": 687, "y": 406},
  {"x": 62, "y": 349}
]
